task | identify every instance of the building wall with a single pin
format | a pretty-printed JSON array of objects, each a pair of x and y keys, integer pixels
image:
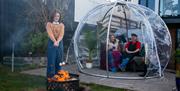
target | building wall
[
  {"x": 173, "y": 37},
  {"x": 133, "y": 1},
  {"x": 84, "y": 6}
]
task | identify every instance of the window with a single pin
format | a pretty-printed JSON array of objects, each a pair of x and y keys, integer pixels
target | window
[
  {"x": 148, "y": 3},
  {"x": 169, "y": 8},
  {"x": 151, "y": 4},
  {"x": 142, "y": 2},
  {"x": 178, "y": 39}
]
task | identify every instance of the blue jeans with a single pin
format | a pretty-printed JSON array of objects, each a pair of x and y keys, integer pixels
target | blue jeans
[
  {"x": 54, "y": 57},
  {"x": 111, "y": 61},
  {"x": 124, "y": 63}
]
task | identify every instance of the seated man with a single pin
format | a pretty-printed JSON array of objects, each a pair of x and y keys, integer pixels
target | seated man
[
  {"x": 113, "y": 53},
  {"x": 132, "y": 49}
]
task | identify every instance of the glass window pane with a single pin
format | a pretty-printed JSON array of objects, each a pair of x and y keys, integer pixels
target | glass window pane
[
  {"x": 169, "y": 8},
  {"x": 151, "y": 4},
  {"x": 148, "y": 3},
  {"x": 142, "y": 2}
]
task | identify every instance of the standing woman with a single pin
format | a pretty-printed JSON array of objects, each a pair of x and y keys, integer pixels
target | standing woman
[{"x": 55, "y": 30}]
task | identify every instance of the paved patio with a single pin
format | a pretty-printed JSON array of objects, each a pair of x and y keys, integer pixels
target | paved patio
[{"x": 156, "y": 84}]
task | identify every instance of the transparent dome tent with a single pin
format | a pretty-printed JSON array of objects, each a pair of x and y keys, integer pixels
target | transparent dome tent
[{"x": 122, "y": 19}]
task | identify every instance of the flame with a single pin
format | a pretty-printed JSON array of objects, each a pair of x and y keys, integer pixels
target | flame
[{"x": 62, "y": 76}]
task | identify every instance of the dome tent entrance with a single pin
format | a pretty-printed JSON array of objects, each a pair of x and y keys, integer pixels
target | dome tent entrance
[{"x": 122, "y": 19}]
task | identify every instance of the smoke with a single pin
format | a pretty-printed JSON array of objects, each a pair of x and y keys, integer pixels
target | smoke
[{"x": 15, "y": 25}]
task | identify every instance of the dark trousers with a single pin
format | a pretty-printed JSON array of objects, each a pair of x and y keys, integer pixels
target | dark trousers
[
  {"x": 114, "y": 58},
  {"x": 54, "y": 56},
  {"x": 127, "y": 58}
]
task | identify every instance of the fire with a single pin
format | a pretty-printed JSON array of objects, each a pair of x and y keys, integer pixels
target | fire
[{"x": 62, "y": 76}]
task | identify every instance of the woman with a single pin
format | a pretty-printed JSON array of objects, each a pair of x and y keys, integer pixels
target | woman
[
  {"x": 55, "y": 30},
  {"x": 114, "y": 53}
]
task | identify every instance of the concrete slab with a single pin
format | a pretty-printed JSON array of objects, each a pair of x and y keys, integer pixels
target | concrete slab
[{"x": 156, "y": 84}]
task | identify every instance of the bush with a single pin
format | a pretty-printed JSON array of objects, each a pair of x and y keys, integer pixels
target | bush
[
  {"x": 177, "y": 52},
  {"x": 36, "y": 43},
  {"x": 178, "y": 63},
  {"x": 91, "y": 43}
]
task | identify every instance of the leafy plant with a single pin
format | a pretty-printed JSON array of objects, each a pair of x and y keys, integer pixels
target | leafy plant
[
  {"x": 177, "y": 52},
  {"x": 177, "y": 62},
  {"x": 36, "y": 43},
  {"x": 177, "y": 55},
  {"x": 91, "y": 42}
]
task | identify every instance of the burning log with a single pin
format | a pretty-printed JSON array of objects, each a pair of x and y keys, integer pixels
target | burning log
[{"x": 65, "y": 81}]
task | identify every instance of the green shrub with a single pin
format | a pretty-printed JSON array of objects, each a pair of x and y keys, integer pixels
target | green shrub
[
  {"x": 177, "y": 52},
  {"x": 177, "y": 62},
  {"x": 91, "y": 43},
  {"x": 36, "y": 43}
]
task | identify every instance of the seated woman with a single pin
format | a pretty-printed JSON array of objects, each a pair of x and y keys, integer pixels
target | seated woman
[{"x": 114, "y": 53}]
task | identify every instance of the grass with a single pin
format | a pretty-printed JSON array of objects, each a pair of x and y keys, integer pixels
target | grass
[{"x": 15, "y": 81}]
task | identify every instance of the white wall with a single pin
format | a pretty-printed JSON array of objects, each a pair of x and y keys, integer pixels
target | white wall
[
  {"x": 84, "y": 6},
  {"x": 135, "y": 1}
]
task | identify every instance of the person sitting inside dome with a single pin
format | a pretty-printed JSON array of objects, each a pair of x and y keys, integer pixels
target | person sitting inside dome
[
  {"x": 132, "y": 49},
  {"x": 114, "y": 53}
]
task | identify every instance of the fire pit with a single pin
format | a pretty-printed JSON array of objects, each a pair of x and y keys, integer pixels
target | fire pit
[{"x": 65, "y": 82}]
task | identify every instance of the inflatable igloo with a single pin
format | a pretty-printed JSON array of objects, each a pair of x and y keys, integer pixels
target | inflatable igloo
[{"x": 91, "y": 40}]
